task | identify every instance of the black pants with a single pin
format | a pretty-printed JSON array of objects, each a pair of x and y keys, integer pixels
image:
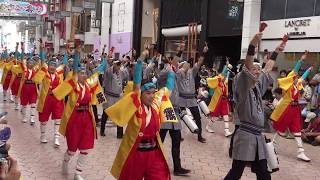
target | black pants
[
  {"x": 258, "y": 166},
  {"x": 103, "y": 126},
  {"x": 95, "y": 113},
  {"x": 196, "y": 115},
  {"x": 175, "y": 145}
]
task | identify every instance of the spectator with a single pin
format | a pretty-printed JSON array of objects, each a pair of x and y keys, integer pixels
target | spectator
[
  {"x": 312, "y": 133},
  {"x": 283, "y": 73},
  {"x": 12, "y": 173},
  {"x": 315, "y": 96},
  {"x": 278, "y": 95}
]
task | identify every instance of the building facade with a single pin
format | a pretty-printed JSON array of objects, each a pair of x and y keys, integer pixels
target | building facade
[
  {"x": 300, "y": 20},
  {"x": 167, "y": 23}
]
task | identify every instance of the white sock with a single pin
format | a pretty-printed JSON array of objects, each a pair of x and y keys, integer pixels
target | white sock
[
  {"x": 297, "y": 137},
  {"x": 226, "y": 122},
  {"x": 68, "y": 155},
  {"x": 81, "y": 161},
  {"x": 56, "y": 128},
  {"x": 43, "y": 128}
]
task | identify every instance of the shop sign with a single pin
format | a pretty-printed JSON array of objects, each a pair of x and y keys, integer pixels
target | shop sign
[
  {"x": 89, "y": 5},
  {"x": 296, "y": 24},
  {"x": 295, "y": 28},
  {"x": 234, "y": 10},
  {"x": 23, "y": 8}
]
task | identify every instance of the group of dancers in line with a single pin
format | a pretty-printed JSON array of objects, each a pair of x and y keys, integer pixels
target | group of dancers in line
[{"x": 68, "y": 91}]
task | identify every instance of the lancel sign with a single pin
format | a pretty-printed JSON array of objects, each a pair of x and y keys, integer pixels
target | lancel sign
[{"x": 297, "y": 24}]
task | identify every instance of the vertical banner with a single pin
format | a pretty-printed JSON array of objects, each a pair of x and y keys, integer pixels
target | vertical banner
[{"x": 74, "y": 23}]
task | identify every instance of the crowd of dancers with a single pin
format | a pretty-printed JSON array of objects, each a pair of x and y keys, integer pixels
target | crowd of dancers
[{"x": 150, "y": 96}]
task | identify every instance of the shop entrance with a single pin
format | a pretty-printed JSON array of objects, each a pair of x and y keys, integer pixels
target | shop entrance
[{"x": 222, "y": 47}]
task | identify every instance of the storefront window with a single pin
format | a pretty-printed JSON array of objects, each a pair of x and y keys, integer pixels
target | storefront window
[
  {"x": 288, "y": 60},
  {"x": 317, "y": 8},
  {"x": 298, "y": 8},
  {"x": 273, "y": 9}
]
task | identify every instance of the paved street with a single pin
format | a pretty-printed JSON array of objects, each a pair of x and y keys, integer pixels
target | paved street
[{"x": 207, "y": 161}]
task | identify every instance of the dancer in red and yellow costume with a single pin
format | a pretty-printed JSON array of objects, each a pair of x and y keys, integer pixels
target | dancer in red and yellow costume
[
  {"x": 49, "y": 76},
  {"x": 219, "y": 104},
  {"x": 16, "y": 77},
  {"x": 287, "y": 115},
  {"x": 141, "y": 155},
  {"x": 28, "y": 90},
  {"x": 78, "y": 124},
  {"x": 7, "y": 73}
]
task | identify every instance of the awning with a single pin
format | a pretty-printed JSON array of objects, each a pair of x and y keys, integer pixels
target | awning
[{"x": 178, "y": 31}]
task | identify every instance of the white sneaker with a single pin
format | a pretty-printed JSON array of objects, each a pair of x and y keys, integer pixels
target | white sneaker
[
  {"x": 56, "y": 142},
  {"x": 209, "y": 129},
  {"x": 24, "y": 120},
  {"x": 16, "y": 107},
  {"x": 32, "y": 121},
  {"x": 227, "y": 133},
  {"x": 78, "y": 177},
  {"x": 65, "y": 167},
  {"x": 303, "y": 157},
  {"x": 43, "y": 139}
]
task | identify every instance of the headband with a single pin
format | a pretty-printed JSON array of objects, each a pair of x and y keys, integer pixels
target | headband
[{"x": 148, "y": 86}]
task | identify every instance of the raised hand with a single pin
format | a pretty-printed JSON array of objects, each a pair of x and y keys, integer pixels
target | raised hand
[
  {"x": 144, "y": 54},
  {"x": 147, "y": 44},
  {"x": 281, "y": 47},
  {"x": 227, "y": 60},
  {"x": 205, "y": 48},
  {"x": 134, "y": 52},
  {"x": 182, "y": 45},
  {"x": 263, "y": 26},
  {"x": 305, "y": 55},
  {"x": 78, "y": 48}
]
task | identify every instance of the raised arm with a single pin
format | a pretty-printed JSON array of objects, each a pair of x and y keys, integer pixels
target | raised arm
[
  {"x": 76, "y": 60},
  {"x": 297, "y": 67},
  {"x": 177, "y": 57},
  {"x": 22, "y": 54},
  {"x": 5, "y": 54},
  {"x": 170, "y": 80},
  {"x": 270, "y": 63},
  {"x": 137, "y": 75},
  {"x": 42, "y": 54},
  {"x": 225, "y": 71},
  {"x": 300, "y": 61},
  {"x": 103, "y": 65},
  {"x": 197, "y": 65},
  {"x": 306, "y": 73},
  {"x": 16, "y": 53},
  {"x": 252, "y": 50}
]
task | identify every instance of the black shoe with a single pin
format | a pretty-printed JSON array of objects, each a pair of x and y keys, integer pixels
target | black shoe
[
  {"x": 98, "y": 124},
  {"x": 182, "y": 139},
  {"x": 102, "y": 133},
  {"x": 202, "y": 140},
  {"x": 315, "y": 143},
  {"x": 119, "y": 136},
  {"x": 181, "y": 172}
]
